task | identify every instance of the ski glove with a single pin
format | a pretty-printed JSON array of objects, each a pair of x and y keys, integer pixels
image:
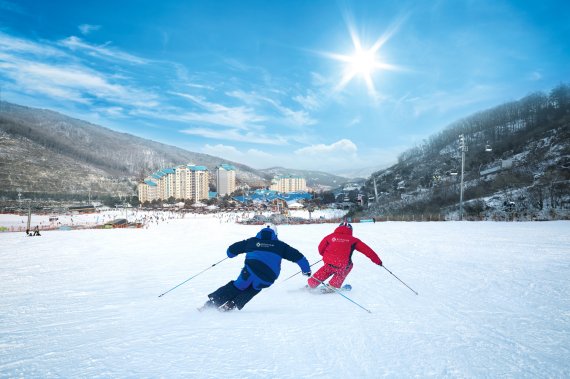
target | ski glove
[
  {"x": 377, "y": 261},
  {"x": 308, "y": 273}
]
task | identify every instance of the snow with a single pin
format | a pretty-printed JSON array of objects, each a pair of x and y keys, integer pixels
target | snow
[{"x": 493, "y": 301}]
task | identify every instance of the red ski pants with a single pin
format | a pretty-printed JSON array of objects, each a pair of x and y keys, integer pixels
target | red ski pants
[{"x": 322, "y": 274}]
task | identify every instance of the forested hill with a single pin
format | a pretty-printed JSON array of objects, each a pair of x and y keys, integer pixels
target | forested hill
[
  {"x": 517, "y": 164},
  {"x": 46, "y": 152}
]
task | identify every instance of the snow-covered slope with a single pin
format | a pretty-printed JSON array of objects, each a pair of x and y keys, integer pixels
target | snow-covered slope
[{"x": 494, "y": 301}]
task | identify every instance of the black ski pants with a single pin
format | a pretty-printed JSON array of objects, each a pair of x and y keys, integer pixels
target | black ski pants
[{"x": 229, "y": 292}]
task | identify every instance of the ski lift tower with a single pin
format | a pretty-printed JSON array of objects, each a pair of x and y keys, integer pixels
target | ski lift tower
[{"x": 463, "y": 148}]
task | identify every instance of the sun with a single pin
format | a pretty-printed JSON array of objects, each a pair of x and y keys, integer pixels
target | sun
[{"x": 363, "y": 62}]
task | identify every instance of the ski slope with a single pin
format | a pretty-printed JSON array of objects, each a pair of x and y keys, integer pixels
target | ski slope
[{"x": 494, "y": 301}]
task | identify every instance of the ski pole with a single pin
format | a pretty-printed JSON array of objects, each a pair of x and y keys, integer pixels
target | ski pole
[
  {"x": 399, "y": 280},
  {"x": 341, "y": 294},
  {"x": 297, "y": 273},
  {"x": 192, "y": 277}
]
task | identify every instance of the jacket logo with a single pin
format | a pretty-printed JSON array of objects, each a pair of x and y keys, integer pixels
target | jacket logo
[
  {"x": 336, "y": 239},
  {"x": 261, "y": 244}
]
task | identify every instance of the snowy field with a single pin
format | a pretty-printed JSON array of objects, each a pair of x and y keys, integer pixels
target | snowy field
[{"x": 494, "y": 302}]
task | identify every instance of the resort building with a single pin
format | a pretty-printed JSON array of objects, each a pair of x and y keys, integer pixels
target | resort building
[
  {"x": 182, "y": 182},
  {"x": 288, "y": 183},
  {"x": 225, "y": 179}
]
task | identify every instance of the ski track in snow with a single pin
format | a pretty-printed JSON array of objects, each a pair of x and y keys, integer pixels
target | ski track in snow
[{"x": 494, "y": 301}]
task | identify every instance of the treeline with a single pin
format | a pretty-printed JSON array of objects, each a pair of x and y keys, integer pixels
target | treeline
[
  {"x": 497, "y": 126},
  {"x": 59, "y": 146}
]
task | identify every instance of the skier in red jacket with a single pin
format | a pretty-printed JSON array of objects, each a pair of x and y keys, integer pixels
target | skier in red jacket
[{"x": 337, "y": 249}]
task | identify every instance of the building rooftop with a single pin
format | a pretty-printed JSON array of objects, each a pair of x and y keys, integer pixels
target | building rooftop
[
  {"x": 227, "y": 167},
  {"x": 197, "y": 168}
]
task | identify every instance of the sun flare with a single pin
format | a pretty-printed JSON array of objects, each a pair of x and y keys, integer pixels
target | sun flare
[{"x": 363, "y": 63}]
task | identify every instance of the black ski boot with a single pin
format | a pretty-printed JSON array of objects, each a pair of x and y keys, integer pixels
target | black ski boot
[{"x": 230, "y": 305}]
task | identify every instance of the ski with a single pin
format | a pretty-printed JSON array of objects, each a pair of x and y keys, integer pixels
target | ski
[
  {"x": 328, "y": 289},
  {"x": 222, "y": 308},
  {"x": 324, "y": 289}
]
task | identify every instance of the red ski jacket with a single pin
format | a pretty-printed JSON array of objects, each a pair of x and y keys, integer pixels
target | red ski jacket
[{"x": 337, "y": 248}]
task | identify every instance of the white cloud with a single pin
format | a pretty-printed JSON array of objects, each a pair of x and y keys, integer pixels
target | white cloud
[
  {"x": 46, "y": 69},
  {"x": 224, "y": 151},
  {"x": 87, "y": 28},
  {"x": 251, "y": 157},
  {"x": 72, "y": 82},
  {"x": 112, "y": 111},
  {"x": 444, "y": 102},
  {"x": 310, "y": 101},
  {"x": 255, "y": 153},
  {"x": 287, "y": 116},
  {"x": 340, "y": 154},
  {"x": 217, "y": 114},
  {"x": 355, "y": 121},
  {"x": 343, "y": 146},
  {"x": 15, "y": 45},
  {"x": 236, "y": 135},
  {"x": 75, "y": 43},
  {"x": 331, "y": 159}
]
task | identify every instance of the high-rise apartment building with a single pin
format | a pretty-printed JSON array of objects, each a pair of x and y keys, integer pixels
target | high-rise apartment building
[
  {"x": 225, "y": 179},
  {"x": 288, "y": 183},
  {"x": 181, "y": 182}
]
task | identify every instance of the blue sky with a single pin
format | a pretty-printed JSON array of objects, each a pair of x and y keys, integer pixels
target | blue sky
[{"x": 278, "y": 83}]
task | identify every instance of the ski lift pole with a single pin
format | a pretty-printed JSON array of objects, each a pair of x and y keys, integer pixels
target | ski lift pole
[
  {"x": 341, "y": 294},
  {"x": 192, "y": 277},
  {"x": 399, "y": 280},
  {"x": 297, "y": 273}
]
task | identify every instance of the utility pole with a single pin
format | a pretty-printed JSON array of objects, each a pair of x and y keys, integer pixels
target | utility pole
[
  {"x": 29, "y": 224},
  {"x": 463, "y": 148},
  {"x": 375, "y": 191}
]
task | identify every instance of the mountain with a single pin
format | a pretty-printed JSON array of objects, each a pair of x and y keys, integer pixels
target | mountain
[
  {"x": 44, "y": 153},
  {"x": 315, "y": 179},
  {"x": 361, "y": 173},
  {"x": 516, "y": 166}
]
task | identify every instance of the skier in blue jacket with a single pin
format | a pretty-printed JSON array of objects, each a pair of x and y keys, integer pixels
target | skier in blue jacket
[{"x": 264, "y": 253}]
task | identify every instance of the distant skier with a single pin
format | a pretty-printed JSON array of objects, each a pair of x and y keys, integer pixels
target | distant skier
[
  {"x": 37, "y": 231},
  {"x": 337, "y": 249},
  {"x": 264, "y": 253}
]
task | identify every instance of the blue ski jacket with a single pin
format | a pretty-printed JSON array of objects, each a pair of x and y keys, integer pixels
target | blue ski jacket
[{"x": 264, "y": 253}]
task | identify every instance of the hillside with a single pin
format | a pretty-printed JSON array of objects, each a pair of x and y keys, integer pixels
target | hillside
[
  {"x": 315, "y": 179},
  {"x": 517, "y": 166},
  {"x": 44, "y": 153}
]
